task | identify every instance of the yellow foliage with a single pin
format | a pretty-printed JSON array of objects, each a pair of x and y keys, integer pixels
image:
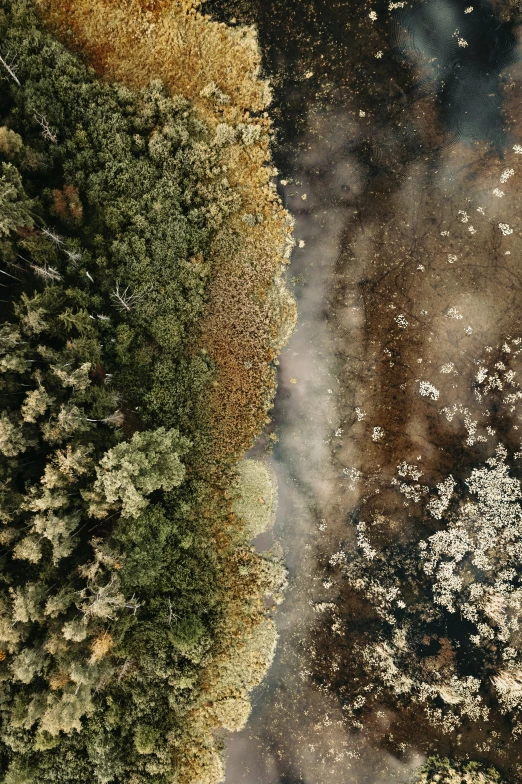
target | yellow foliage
[
  {"x": 100, "y": 647},
  {"x": 217, "y": 68},
  {"x": 139, "y": 40},
  {"x": 59, "y": 680}
]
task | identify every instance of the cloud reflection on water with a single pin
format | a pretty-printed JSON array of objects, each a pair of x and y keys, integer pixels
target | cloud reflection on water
[{"x": 375, "y": 249}]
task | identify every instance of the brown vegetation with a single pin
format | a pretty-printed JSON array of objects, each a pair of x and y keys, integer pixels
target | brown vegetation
[
  {"x": 249, "y": 312},
  {"x": 216, "y": 67},
  {"x": 67, "y": 204}
]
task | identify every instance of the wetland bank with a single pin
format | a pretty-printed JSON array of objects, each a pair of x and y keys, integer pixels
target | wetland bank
[
  {"x": 145, "y": 237},
  {"x": 398, "y": 411}
]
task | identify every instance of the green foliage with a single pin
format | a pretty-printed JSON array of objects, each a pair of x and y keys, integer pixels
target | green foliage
[
  {"x": 256, "y": 502},
  {"x": 15, "y": 207},
  {"x": 111, "y": 586},
  {"x": 445, "y": 771},
  {"x": 130, "y": 471}
]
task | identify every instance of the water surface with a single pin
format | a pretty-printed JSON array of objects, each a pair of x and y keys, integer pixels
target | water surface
[{"x": 396, "y": 124}]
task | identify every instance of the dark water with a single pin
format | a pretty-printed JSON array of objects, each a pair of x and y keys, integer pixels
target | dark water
[{"x": 394, "y": 133}]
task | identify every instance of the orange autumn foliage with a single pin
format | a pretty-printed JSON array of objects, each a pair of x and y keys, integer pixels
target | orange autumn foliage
[
  {"x": 217, "y": 67},
  {"x": 67, "y": 204}
]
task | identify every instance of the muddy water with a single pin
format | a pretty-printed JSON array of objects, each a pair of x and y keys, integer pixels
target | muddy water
[{"x": 396, "y": 130}]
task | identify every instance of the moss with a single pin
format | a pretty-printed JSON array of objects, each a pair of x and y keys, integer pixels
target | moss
[{"x": 257, "y": 500}]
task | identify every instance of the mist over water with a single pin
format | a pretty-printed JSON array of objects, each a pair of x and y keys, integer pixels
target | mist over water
[{"x": 395, "y": 143}]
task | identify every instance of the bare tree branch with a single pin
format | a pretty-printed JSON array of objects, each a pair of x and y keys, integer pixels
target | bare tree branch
[
  {"x": 46, "y": 128},
  {"x": 9, "y": 67},
  {"x": 124, "y": 300},
  {"x": 45, "y": 272},
  {"x": 53, "y": 236}
]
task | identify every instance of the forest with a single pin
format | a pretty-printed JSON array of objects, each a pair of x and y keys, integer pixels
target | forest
[{"x": 143, "y": 311}]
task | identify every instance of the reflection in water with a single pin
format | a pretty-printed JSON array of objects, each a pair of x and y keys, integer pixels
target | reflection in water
[
  {"x": 461, "y": 54},
  {"x": 398, "y": 142}
]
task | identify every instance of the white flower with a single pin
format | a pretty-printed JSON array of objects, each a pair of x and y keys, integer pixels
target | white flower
[
  {"x": 401, "y": 320},
  {"x": 468, "y": 10},
  {"x": 451, "y": 258},
  {"x": 472, "y": 230},
  {"x": 462, "y": 42},
  {"x": 362, "y": 113},
  {"x": 373, "y": 16},
  {"x": 518, "y": 149},
  {"x": 498, "y": 192},
  {"x": 378, "y": 54},
  {"x": 377, "y": 434},
  {"x": 506, "y": 174},
  {"x": 464, "y": 214},
  {"x": 505, "y": 229}
]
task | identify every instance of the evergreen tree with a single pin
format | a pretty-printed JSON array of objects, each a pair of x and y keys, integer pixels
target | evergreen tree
[{"x": 119, "y": 658}]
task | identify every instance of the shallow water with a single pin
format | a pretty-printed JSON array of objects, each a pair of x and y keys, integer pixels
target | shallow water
[{"x": 395, "y": 139}]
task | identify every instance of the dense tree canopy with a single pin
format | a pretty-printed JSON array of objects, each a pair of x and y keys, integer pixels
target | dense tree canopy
[{"x": 122, "y": 559}]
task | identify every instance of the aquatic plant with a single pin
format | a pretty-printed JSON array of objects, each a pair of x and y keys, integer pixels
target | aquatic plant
[
  {"x": 450, "y": 600},
  {"x": 446, "y": 772}
]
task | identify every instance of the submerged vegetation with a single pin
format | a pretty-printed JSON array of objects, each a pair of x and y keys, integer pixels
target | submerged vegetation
[
  {"x": 142, "y": 312},
  {"x": 445, "y": 595},
  {"x": 445, "y": 772}
]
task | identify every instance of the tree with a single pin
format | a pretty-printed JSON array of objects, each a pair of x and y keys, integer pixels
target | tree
[
  {"x": 132, "y": 470},
  {"x": 15, "y": 206}
]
